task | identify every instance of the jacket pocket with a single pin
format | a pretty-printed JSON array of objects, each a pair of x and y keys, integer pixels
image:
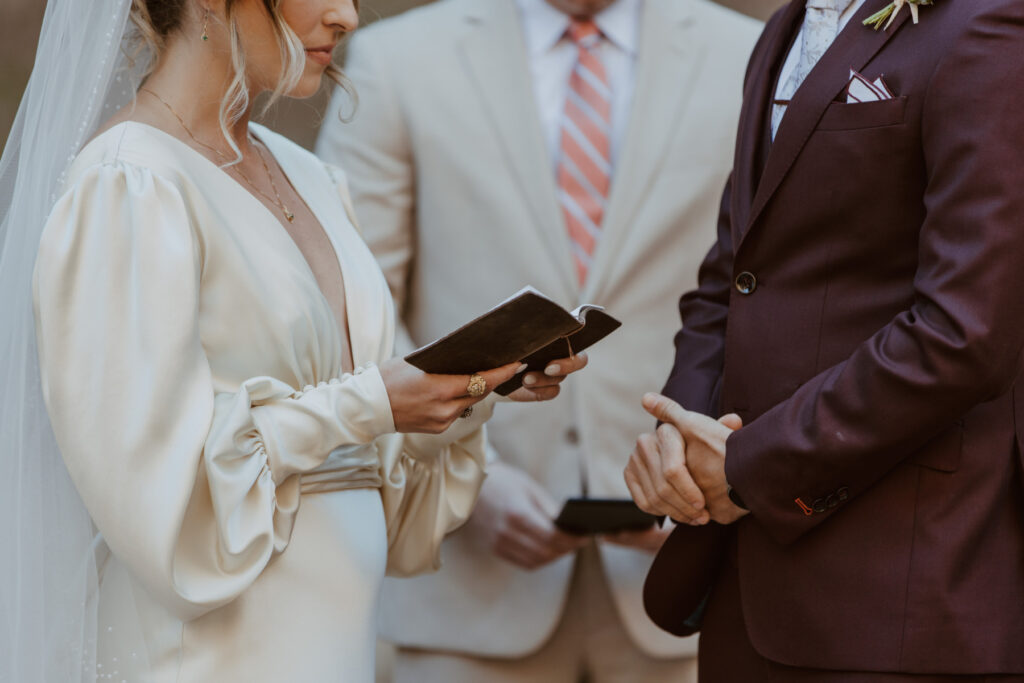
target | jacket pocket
[
  {"x": 943, "y": 452},
  {"x": 843, "y": 116}
]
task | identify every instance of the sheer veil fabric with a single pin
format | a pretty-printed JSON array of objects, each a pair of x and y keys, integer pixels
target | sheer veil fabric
[{"x": 51, "y": 556}]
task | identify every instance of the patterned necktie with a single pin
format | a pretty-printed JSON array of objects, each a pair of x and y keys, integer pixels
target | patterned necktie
[
  {"x": 584, "y": 168},
  {"x": 821, "y": 26}
]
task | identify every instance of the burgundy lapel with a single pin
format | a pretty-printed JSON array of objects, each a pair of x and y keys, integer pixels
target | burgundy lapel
[
  {"x": 759, "y": 93},
  {"x": 852, "y": 49}
]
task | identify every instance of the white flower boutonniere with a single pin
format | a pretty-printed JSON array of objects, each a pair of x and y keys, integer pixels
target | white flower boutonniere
[{"x": 884, "y": 18}]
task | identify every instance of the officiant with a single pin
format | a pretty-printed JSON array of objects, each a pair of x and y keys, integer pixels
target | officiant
[{"x": 578, "y": 146}]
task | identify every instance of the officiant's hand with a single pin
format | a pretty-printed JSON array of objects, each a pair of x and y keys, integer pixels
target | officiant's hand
[
  {"x": 649, "y": 540},
  {"x": 514, "y": 519},
  {"x": 680, "y": 471},
  {"x": 543, "y": 386},
  {"x": 429, "y": 404}
]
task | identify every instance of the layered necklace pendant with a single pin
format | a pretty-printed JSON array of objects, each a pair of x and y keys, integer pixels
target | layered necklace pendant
[{"x": 276, "y": 199}]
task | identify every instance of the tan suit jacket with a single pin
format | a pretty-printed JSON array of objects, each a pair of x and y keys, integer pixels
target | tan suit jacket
[{"x": 456, "y": 193}]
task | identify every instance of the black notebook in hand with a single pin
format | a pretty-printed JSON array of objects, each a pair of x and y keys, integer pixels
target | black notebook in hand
[
  {"x": 583, "y": 516},
  {"x": 527, "y": 327}
]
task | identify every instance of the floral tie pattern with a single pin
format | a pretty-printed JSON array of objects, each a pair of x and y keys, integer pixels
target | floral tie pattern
[{"x": 821, "y": 26}]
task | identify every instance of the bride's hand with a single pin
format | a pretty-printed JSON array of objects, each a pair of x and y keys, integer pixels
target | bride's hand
[
  {"x": 421, "y": 402},
  {"x": 543, "y": 386}
]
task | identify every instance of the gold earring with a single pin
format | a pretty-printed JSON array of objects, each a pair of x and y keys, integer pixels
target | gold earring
[{"x": 206, "y": 21}]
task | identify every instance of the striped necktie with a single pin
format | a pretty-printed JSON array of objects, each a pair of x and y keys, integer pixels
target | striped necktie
[{"x": 584, "y": 168}]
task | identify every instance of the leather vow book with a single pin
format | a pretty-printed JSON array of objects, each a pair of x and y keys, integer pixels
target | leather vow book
[{"x": 527, "y": 327}]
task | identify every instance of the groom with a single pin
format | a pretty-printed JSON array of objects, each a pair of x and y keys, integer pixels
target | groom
[{"x": 859, "y": 325}]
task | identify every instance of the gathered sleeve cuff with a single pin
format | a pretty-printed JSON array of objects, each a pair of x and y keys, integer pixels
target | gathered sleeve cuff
[
  {"x": 292, "y": 425},
  {"x": 430, "y": 484}
]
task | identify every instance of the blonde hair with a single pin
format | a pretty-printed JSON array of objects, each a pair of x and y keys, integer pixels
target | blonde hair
[{"x": 156, "y": 20}]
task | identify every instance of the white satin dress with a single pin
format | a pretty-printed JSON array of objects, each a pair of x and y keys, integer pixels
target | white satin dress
[{"x": 251, "y": 494}]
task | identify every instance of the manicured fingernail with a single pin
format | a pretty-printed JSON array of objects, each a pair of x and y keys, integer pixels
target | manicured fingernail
[
  {"x": 521, "y": 368},
  {"x": 553, "y": 370},
  {"x": 529, "y": 379}
]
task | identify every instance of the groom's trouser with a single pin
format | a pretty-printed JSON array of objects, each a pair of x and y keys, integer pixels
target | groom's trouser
[
  {"x": 589, "y": 644},
  {"x": 727, "y": 655}
]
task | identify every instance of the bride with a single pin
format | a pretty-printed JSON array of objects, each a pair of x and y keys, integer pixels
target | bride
[{"x": 214, "y": 352}]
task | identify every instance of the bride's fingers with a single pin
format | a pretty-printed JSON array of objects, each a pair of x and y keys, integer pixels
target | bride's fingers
[
  {"x": 555, "y": 372},
  {"x": 538, "y": 380},
  {"x": 544, "y": 393},
  {"x": 460, "y": 385},
  {"x": 566, "y": 366},
  {"x": 499, "y": 376}
]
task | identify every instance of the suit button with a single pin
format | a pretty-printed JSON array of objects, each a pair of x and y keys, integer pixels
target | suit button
[
  {"x": 572, "y": 436},
  {"x": 819, "y": 505},
  {"x": 746, "y": 283}
]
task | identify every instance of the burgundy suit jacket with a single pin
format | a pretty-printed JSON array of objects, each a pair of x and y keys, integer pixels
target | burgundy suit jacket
[{"x": 863, "y": 312}]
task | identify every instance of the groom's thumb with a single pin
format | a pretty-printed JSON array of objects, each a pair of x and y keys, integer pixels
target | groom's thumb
[
  {"x": 732, "y": 421},
  {"x": 664, "y": 408}
]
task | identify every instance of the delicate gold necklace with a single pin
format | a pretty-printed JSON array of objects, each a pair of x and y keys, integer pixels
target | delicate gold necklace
[{"x": 276, "y": 199}]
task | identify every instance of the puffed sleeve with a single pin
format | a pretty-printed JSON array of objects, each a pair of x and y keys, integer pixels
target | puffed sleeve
[{"x": 194, "y": 490}]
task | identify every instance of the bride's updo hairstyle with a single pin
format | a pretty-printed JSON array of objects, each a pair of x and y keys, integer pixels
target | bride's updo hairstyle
[{"x": 156, "y": 20}]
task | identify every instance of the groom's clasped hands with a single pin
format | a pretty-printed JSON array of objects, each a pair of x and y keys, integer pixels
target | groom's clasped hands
[{"x": 679, "y": 470}]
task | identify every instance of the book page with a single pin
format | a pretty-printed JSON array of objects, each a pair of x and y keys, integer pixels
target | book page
[{"x": 580, "y": 312}]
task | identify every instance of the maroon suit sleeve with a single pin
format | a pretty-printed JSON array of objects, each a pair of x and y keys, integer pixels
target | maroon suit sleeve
[
  {"x": 960, "y": 342},
  {"x": 700, "y": 345}
]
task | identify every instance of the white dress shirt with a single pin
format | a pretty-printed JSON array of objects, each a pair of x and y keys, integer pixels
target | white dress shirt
[
  {"x": 552, "y": 58},
  {"x": 794, "y": 52}
]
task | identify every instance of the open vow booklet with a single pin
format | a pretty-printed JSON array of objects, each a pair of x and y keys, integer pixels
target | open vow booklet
[{"x": 527, "y": 327}]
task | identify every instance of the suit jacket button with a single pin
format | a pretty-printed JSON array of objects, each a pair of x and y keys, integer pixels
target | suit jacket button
[
  {"x": 819, "y": 505},
  {"x": 746, "y": 283}
]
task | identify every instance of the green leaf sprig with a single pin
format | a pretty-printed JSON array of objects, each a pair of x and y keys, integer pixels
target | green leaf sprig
[{"x": 883, "y": 18}]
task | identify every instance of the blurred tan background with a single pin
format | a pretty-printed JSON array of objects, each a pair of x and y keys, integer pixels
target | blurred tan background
[{"x": 19, "y": 30}]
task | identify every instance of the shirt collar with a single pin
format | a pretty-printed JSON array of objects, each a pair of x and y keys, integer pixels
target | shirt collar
[{"x": 544, "y": 26}]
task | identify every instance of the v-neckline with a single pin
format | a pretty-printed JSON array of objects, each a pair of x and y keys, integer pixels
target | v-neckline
[{"x": 345, "y": 332}]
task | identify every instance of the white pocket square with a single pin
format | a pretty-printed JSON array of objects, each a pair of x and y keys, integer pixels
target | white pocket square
[{"x": 860, "y": 89}]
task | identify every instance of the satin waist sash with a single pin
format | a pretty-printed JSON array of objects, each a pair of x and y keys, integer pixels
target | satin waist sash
[{"x": 350, "y": 467}]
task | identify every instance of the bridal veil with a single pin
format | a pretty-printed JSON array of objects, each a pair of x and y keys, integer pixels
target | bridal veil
[{"x": 50, "y": 554}]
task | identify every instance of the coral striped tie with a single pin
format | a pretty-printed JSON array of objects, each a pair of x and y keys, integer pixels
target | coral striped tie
[{"x": 584, "y": 168}]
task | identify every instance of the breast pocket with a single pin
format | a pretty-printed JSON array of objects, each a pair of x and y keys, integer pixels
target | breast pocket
[{"x": 843, "y": 116}]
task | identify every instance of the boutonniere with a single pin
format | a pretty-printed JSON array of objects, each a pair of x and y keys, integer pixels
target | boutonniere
[{"x": 883, "y": 19}]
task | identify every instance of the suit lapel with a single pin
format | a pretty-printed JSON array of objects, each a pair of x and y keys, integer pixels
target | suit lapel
[
  {"x": 760, "y": 91},
  {"x": 668, "y": 62},
  {"x": 855, "y": 46},
  {"x": 494, "y": 55}
]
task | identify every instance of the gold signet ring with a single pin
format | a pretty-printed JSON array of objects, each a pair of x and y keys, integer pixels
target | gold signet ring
[{"x": 477, "y": 386}]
